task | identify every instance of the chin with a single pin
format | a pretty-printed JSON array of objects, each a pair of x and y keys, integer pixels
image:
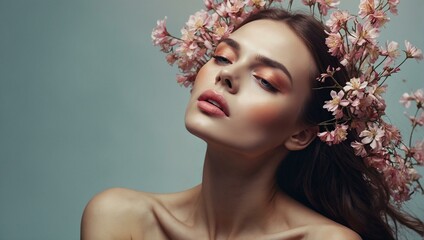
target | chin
[
  {"x": 197, "y": 126},
  {"x": 205, "y": 130}
]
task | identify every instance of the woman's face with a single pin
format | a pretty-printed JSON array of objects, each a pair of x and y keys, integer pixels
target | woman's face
[{"x": 249, "y": 96}]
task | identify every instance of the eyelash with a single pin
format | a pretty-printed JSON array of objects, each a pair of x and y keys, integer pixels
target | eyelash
[
  {"x": 266, "y": 84},
  {"x": 262, "y": 82},
  {"x": 221, "y": 59}
]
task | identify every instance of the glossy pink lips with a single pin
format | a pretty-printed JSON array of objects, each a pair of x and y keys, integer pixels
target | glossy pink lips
[{"x": 213, "y": 103}]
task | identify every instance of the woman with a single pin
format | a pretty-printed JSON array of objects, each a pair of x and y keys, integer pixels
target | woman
[{"x": 266, "y": 175}]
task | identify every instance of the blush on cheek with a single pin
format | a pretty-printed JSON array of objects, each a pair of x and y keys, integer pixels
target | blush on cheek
[{"x": 267, "y": 114}]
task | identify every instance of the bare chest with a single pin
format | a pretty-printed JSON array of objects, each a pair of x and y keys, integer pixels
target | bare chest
[
  {"x": 167, "y": 227},
  {"x": 159, "y": 234}
]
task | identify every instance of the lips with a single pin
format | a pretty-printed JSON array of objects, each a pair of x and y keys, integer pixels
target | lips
[{"x": 213, "y": 103}]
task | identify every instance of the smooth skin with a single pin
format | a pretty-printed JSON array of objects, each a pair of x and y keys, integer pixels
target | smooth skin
[{"x": 238, "y": 197}]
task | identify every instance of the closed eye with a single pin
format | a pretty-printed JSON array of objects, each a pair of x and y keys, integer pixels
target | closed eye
[
  {"x": 221, "y": 59},
  {"x": 265, "y": 84}
]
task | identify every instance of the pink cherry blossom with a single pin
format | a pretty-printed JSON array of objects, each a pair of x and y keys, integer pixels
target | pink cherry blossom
[
  {"x": 325, "y": 5},
  {"x": 418, "y": 152},
  {"x": 209, "y": 4},
  {"x": 391, "y": 51},
  {"x": 413, "y": 174},
  {"x": 359, "y": 52},
  {"x": 327, "y": 136},
  {"x": 159, "y": 33},
  {"x": 187, "y": 49},
  {"x": 340, "y": 133},
  {"x": 345, "y": 60},
  {"x": 393, "y": 6},
  {"x": 378, "y": 162},
  {"x": 405, "y": 100},
  {"x": 364, "y": 33},
  {"x": 220, "y": 32},
  {"x": 171, "y": 58},
  {"x": 328, "y": 74},
  {"x": 367, "y": 7},
  {"x": 182, "y": 80},
  {"x": 355, "y": 102},
  {"x": 198, "y": 21},
  {"x": 375, "y": 92},
  {"x": 208, "y": 44},
  {"x": 418, "y": 96},
  {"x": 335, "y": 44},
  {"x": 401, "y": 194},
  {"x": 187, "y": 35},
  {"x": 388, "y": 70},
  {"x": 221, "y": 9},
  {"x": 337, "y": 101},
  {"x": 413, "y": 52},
  {"x": 372, "y": 52},
  {"x": 420, "y": 119},
  {"x": 234, "y": 6},
  {"x": 378, "y": 18},
  {"x": 356, "y": 86},
  {"x": 256, "y": 3},
  {"x": 359, "y": 148},
  {"x": 335, "y": 136},
  {"x": 220, "y": 29},
  {"x": 338, "y": 20},
  {"x": 391, "y": 134},
  {"x": 397, "y": 180},
  {"x": 372, "y": 136}
]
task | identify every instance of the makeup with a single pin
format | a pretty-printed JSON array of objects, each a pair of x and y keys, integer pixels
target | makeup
[{"x": 213, "y": 103}]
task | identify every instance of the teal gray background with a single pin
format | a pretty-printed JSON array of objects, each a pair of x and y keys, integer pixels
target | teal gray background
[{"x": 87, "y": 103}]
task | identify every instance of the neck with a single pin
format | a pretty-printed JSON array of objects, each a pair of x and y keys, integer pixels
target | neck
[{"x": 237, "y": 192}]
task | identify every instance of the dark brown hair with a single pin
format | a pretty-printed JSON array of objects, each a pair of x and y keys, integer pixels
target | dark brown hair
[{"x": 332, "y": 180}]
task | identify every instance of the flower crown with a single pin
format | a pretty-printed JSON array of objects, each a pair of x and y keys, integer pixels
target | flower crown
[{"x": 358, "y": 105}]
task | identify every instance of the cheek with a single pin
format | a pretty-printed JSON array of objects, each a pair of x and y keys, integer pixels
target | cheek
[
  {"x": 201, "y": 74},
  {"x": 274, "y": 112},
  {"x": 206, "y": 74},
  {"x": 265, "y": 114}
]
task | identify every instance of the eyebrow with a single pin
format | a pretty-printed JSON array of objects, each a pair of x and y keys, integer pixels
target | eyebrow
[
  {"x": 260, "y": 58},
  {"x": 230, "y": 42}
]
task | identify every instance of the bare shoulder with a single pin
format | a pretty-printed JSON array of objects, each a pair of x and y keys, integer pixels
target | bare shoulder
[
  {"x": 115, "y": 213},
  {"x": 332, "y": 232},
  {"x": 314, "y": 225}
]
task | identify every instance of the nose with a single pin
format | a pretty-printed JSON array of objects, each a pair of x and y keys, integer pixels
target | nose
[{"x": 228, "y": 80}]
